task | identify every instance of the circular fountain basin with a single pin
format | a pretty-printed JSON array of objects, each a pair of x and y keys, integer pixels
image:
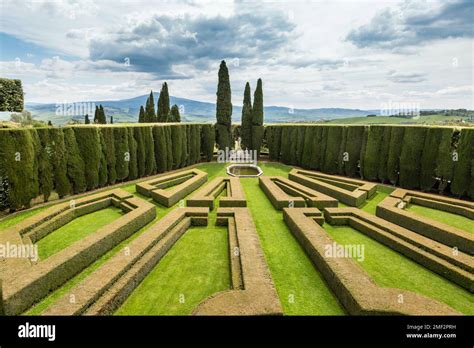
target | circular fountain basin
[{"x": 244, "y": 170}]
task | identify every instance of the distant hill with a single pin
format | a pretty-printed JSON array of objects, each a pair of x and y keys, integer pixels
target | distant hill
[{"x": 126, "y": 110}]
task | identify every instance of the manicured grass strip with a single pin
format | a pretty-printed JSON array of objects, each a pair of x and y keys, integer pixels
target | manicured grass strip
[
  {"x": 196, "y": 267},
  {"x": 391, "y": 269},
  {"x": 13, "y": 220},
  {"x": 458, "y": 221},
  {"x": 76, "y": 230},
  {"x": 370, "y": 205},
  {"x": 301, "y": 288}
]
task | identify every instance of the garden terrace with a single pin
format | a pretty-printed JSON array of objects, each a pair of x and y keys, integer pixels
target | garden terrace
[
  {"x": 253, "y": 290},
  {"x": 357, "y": 292},
  {"x": 179, "y": 185},
  {"x": 392, "y": 209},
  {"x": 283, "y": 192},
  {"x": 349, "y": 191},
  {"x": 431, "y": 254},
  {"x": 205, "y": 197},
  {"x": 29, "y": 284},
  {"x": 103, "y": 291}
]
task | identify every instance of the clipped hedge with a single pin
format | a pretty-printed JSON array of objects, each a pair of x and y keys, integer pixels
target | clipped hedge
[
  {"x": 74, "y": 159},
  {"x": 415, "y": 157}
]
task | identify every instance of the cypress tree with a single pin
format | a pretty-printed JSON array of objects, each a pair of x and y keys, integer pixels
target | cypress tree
[
  {"x": 141, "y": 153},
  {"x": 384, "y": 151},
  {"x": 429, "y": 158},
  {"x": 45, "y": 169},
  {"x": 18, "y": 166},
  {"x": 163, "y": 111},
  {"x": 395, "y": 149},
  {"x": 246, "y": 142},
  {"x": 122, "y": 152},
  {"x": 410, "y": 158},
  {"x": 174, "y": 114},
  {"x": 169, "y": 148},
  {"x": 161, "y": 152},
  {"x": 286, "y": 144},
  {"x": 86, "y": 120},
  {"x": 257, "y": 120},
  {"x": 207, "y": 141},
  {"x": 372, "y": 158},
  {"x": 316, "y": 152},
  {"x": 150, "y": 115},
  {"x": 300, "y": 137},
  {"x": 462, "y": 178},
  {"x": 88, "y": 141},
  {"x": 96, "y": 115},
  {"x": 445, "y": 164},
  {"x": 111, "y": 120},
  {"x": 103, "y": 170},
  {"x": 177, "y": 139},
  {"x": 75, "y": 163},
  {"x": 150, "y": 160},
  {"x": 224, "y": 109},
  {"x": 353, "y": 146},
  {"x": 50, "y": 124},
  {"x": 59, "y": 162},
  {"x": 108, "y": 135},
  {"x": 331, "y": 151},
  {"x": 141, "y": 115},
  {"x": 132, "y": 146},
  {"x": 102, "y": 117}
]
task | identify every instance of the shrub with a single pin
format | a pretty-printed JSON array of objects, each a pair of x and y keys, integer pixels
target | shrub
[
  {"x": 150, "y": 160},
  {"x": 273, "y": 138},
  {"x": 109, "y": 150},
  {"x": 257, "y": 138},
  {"x": 410, "y": 158},
  {"x": 177, "y": 138},
  {"x": 103, "y": 171},
  {"x": 160, "y": 148},
  {"x": 316, "y": 152},
  {"x": 430, "y": 157},
  {"x": 75, "y": 163},
  {"x": 299, "y": 140}
]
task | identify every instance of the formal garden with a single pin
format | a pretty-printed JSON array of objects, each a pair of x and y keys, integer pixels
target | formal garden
[{"x": 145, "y": 219}]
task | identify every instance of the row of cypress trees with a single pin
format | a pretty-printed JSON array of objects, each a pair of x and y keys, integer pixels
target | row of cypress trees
[
  {"x": 76, "y": 159},
  {"x": 413, "y": 157},
  {"x": 164, "y": 113}
]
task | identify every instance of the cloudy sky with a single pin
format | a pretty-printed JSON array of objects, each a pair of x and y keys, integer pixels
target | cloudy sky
[{"x": 310, "y": 54}]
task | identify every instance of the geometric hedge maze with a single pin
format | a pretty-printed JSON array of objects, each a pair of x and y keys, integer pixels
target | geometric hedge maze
[
  {"x": 104, "y": 290},
  {"x": 438, "y": 247}
]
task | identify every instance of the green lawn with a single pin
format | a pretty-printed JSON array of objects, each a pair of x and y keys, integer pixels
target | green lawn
[
  {"x": 197, "y": 265},
  {"x": 391, "y": 269},
  {"x": 454, "y": 220},
  {"x": 76, "y": 230}
]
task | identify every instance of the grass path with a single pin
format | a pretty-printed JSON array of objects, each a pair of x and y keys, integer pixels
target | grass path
[
  {"x": 458, "y": 221},
  {"x": 76, "y": 230}
]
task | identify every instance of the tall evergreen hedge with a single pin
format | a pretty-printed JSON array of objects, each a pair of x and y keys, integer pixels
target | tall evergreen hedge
[
  {"x": 393, "y": 160},
  {"x": 207, "y": 141},
  {"x": 132, "y": 149},
  {"x": 384, "y": 151},
  {"x": 462, "y": 178},
  {"x": 75, "y": 163},
  {"x": 59, "y": 162},
  {"x": 45, "y": 166},
  {"x": 410, "y": 157},
  {"x": 331, "y": 152},
  {"x": 122, "y": 152},
  {"x": 352, "y": 146},
  {"x": 445, "y": 163},
  {"x": 372, "y": 157},
  {"x": 88, "y": 141}
]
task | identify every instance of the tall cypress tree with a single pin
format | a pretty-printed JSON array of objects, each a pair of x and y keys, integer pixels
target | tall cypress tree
[
  {"x": 247, "y": 119},
  {"x": 141, "y": 115},
  {"x": 257, "y": 117},
  {"x": 96, "y": 115},
  {"x": 163, "y": 111},
  {"x": 86, "y": 120},
  {"x": 224, "y": 109},
  {"x": 102, "y": 117},
  {"x": 174, "y": 114},
  {"x": 150, "y": 115}
]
